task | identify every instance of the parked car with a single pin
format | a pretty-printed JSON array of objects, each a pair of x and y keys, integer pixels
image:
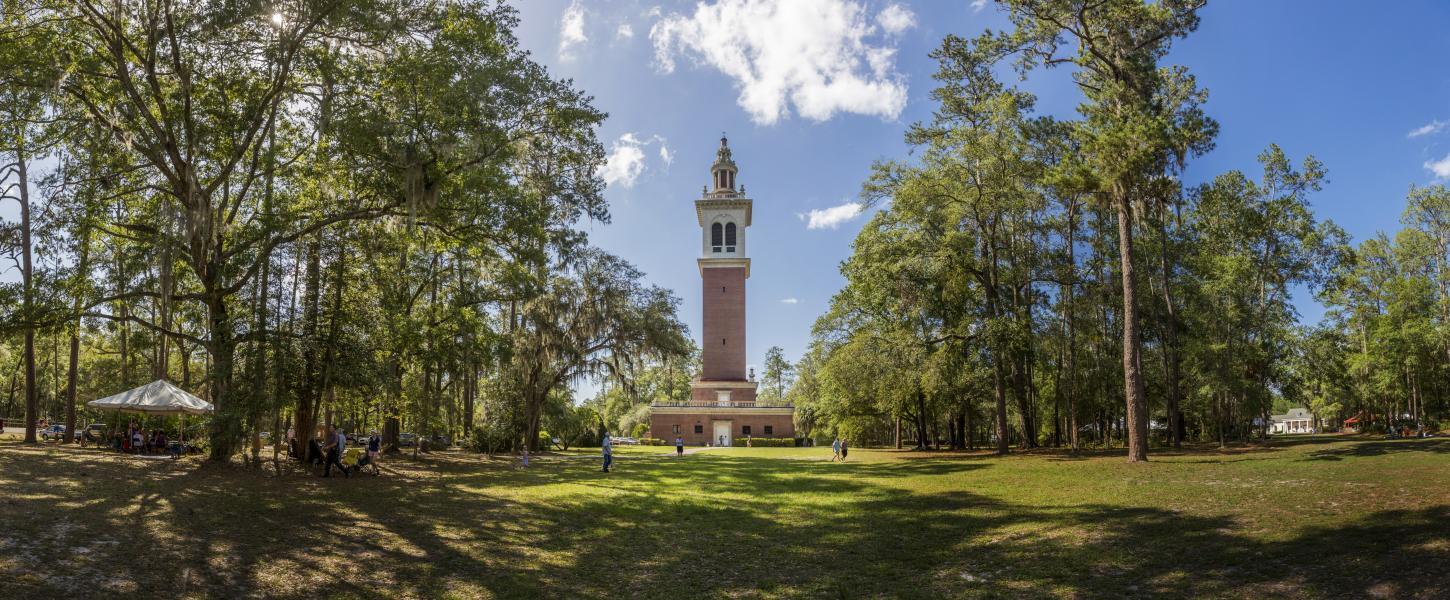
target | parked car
[
  {"x": 54, "y": 431},
  {"x": 407, "y": 439},
  {"x": 624, "y": 441}
]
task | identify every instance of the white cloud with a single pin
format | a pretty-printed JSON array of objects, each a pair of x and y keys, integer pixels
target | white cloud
[
  {"x": 571, "y": 30},
  {"x": 831, "y": 218},
  {"x": 1441, "y": 168},
  {"x": 789, "y": 301},
  {"x": 1432, "y": 127},
  {"x": 811, "y": 57},
  {"x": 624, "y": 32},
  {"x": 626, "y": 160},
  {"x": 895, "y": 19},
  {"x": 978, "y": 5},
  {"x": 626, "y": 163}
]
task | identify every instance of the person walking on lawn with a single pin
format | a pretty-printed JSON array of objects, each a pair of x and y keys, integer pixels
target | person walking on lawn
[
  {"x": 679, "y": 446},
  {"x": 336, "y": 444},
  {"x": 608, "y": 450},
  {"x": 835, "y": 449},
  {"x": 844, "y": 450}
]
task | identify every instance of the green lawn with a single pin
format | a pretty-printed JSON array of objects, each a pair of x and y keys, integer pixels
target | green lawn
[{"x": 1306, "y": 517}]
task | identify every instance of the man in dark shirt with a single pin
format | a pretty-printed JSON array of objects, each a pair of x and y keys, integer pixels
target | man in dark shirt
[{"x": 335, "y": 445}]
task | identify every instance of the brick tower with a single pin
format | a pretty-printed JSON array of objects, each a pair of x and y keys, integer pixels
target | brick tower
[
  {"x": 723, "y": 214},
  {"x": 722, "y": 398}
]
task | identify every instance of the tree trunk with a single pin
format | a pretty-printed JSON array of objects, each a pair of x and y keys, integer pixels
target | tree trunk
[
  {"x": 967, "y": 429},
  {"x": 70, "y": 384},
  {"x": 32, "y": 397},
  {"x": 1069, "y": 300},
  {"x": 922, "y": 439},
  {"x": 226, "y": 422},
  {"x": 1026, "y": 412},
  {"x": 1136, "y": 401},
  {"x": 1170, "y": 349},
  {"x": 1000, "y": 393}
]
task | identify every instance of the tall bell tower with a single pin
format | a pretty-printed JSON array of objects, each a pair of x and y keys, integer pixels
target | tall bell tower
[
  {"x": 722, "y": 405},
  {"x": 723, "y": 213}
]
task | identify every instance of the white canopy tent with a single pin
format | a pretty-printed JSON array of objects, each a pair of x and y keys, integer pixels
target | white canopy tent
[{"x": 156, "y": 398}]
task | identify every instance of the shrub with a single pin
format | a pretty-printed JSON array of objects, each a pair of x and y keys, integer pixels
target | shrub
[
  {"x": 585, "y": 438},
  {"x": 652, "y": 442},
  {"x": 770, "y": 442},
  {"x": 490, "y": 438}
]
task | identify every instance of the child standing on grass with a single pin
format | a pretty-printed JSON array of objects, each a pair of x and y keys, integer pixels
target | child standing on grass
[
  {"x": 375, "y": 446},
  {"x": 679, "y": 446},
  {"x": 608, "y": 450}
]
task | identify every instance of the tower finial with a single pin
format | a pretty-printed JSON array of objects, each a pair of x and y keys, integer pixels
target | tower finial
[{"x": 723, "y": 171}]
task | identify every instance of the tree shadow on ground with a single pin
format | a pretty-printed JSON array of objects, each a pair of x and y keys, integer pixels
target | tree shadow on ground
[
  {"x": 1211, "y": 452},
  {"x": 1381, "y": 448},
  {"x": 720, "y": 528}
]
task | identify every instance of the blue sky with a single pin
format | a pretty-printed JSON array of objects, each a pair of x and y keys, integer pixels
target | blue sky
[{"x": 809, "y": 103}]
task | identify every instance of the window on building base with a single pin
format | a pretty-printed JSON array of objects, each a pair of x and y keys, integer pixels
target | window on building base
[
  {"x": 769, "y": 430},
  {"x": 699, "y": 429},
  {"x": 744, "y": 430},
  {"x": 677, "y": 430}
]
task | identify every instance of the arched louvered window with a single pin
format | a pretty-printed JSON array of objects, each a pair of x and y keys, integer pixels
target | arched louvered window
[
  {"x": 715, "y": 236},
  {"x": 729, "y": 237}
]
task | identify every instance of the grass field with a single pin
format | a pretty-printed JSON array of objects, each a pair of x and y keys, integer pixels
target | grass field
[{"x": 1306, "y": 517}]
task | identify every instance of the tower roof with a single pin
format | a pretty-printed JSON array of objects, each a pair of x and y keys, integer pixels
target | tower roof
[
  {"x": 723, "y": 159},
  {"x": 723, "y": 171}
]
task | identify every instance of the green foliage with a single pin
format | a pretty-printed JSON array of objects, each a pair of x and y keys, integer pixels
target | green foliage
[
  {"x": 572, "y": 425},
  {"x": 361, "y": 209},
  {"x": 759, "y": 442},
  {"x": 634, "y": 422},
  {"x": 777, "y": 377},
  {"x": 491, "y": 437}
]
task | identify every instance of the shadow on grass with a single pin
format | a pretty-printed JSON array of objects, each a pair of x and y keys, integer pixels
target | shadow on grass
[
  {"x": 1381, "y": 448},
  {"x": 704, "y": 526}
]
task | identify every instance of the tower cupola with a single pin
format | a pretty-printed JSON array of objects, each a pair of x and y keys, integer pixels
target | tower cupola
[{"x": 722, "y": 173}]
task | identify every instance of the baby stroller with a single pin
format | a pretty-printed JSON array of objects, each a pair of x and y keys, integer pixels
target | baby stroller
[{"x": 355, "y": 459}]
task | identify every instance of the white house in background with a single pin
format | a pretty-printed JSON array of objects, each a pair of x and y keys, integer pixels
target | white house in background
[{"x": 1297, "y": 420}]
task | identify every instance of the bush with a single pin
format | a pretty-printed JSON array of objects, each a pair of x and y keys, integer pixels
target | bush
[
  {"x": 770, "y": 442},
  {"x": 490, "y": 438},
  {"x": 653, "y": 442},
  {"x": 585, "y": 438},
  {"x": 635, "y": 423}
]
